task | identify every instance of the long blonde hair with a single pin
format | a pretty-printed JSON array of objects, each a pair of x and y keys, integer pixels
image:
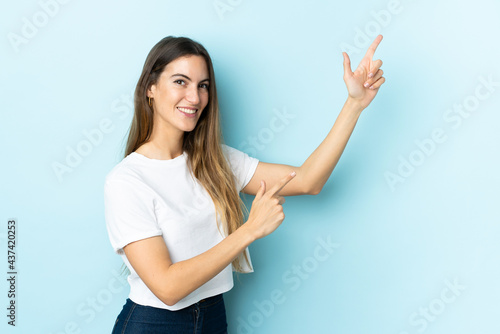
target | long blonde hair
[{"x": 206, "y": 159}]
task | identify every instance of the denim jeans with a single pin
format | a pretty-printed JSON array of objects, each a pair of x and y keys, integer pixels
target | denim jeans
[{"x": 207, "y": 316}]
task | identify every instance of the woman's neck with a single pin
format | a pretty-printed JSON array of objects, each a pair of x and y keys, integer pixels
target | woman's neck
[{"x": 162, "y": 147}]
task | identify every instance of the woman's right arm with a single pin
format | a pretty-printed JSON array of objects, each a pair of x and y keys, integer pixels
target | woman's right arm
[{"x": 171, "y": 282}]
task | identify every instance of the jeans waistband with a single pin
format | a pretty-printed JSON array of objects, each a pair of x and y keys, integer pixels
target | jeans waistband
[{"x": 209, "y": 301}]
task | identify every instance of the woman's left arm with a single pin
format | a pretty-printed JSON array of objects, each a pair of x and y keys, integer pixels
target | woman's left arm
[{"x": 362, "y": 86}]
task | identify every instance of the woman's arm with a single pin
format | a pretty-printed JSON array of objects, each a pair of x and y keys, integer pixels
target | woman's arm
[
  {"x": 316, "y": 170},
  {"x": 362, "y": 86},
  {"x": 171, "y": 282}
]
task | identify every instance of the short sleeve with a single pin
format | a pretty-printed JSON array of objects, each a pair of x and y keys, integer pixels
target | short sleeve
[
  {"x": 242, "y": 165},
  {"x": 129, "y": 209}
]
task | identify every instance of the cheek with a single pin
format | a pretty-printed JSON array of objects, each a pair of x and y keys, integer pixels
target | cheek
[
  {"x": 170, "y": 95},
  {"x": 205, "y": 99}
]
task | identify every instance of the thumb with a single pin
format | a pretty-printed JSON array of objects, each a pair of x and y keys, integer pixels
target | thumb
[
  {"x": 261, "y": 190},
  {"x": 347, "y": 64}
]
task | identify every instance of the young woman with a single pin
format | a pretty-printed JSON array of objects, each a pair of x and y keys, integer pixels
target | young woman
[{"x": 172, "y": 205}]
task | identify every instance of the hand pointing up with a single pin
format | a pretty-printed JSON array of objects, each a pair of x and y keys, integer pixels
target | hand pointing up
[{"x": 364, "y": 82}]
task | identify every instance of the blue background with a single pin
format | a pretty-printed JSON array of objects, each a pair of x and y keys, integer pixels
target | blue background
[{"x": 416, "y": 255}]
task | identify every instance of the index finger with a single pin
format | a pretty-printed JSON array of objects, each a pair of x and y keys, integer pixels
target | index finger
[
  {"x": 371, "y": 50},
  {"x": 278, "y": 186}
]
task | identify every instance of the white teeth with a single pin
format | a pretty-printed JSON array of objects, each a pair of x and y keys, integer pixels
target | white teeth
[{"x": 187, "y": 111}]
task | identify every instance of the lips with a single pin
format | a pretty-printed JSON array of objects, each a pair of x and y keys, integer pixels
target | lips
[{"x": 189, "y": 112}]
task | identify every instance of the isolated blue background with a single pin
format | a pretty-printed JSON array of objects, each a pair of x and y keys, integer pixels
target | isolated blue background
[{"x": 399, "y": 247}]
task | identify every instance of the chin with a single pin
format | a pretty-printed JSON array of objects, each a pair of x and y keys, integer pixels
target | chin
[{"x": 189, "y": 128}]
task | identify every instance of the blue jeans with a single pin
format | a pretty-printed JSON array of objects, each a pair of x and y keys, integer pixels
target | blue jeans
[{"x": 208, "y": 316}]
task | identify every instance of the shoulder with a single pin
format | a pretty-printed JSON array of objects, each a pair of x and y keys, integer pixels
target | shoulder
[
  {"x": 234, "y": 154},
  {"x": 127, "y": 171},
  {"x": 226, "y": 148},
  {"x": 242, "y": 165},
  {"x": 119, "y": 171},
  {"x": 231, "y": 153}
]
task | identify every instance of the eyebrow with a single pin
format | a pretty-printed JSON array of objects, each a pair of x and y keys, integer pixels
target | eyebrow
[{"x": 185, "y": 76}]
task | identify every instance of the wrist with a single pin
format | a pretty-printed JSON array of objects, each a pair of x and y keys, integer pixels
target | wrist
[
  {"x": 354, "y": 105},
  {"x": 249, "y": 234}
]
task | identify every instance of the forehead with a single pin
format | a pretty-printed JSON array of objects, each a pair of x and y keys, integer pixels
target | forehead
[{"x": 193, "y": 66}]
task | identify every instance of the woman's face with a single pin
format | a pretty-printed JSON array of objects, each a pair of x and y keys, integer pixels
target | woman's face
[{"x": 181, "y": 94}]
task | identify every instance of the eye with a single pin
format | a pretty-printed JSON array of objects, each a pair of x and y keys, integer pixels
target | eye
[
  {"x": 204, "y": 86},
  {"x": 180, "y": 82}
]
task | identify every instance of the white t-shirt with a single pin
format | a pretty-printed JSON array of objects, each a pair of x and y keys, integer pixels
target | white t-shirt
[{"x": 146, "y": 197}]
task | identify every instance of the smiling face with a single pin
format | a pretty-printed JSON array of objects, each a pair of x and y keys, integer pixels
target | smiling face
[{"x": 180, "y": 94}]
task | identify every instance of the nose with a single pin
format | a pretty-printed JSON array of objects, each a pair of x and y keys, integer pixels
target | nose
[{"x": 193, "y": 95}]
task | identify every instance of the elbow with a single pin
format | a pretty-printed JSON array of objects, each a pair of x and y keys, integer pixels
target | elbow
[
  {"x": 168, "y": 289},
  {"x": 169, "y": 293},
  {"x": 173, "y": 292},
  {"x": 169, "y": 301},
  {"x": 310, "y": 186},
  {"x": 313, "y": 190},
  {"x": 169, "y": 298}
]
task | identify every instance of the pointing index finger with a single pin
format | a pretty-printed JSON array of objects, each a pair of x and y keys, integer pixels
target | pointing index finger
[
  {"x": 278, "y": 186},
  {"x": 371, "y": 50}
]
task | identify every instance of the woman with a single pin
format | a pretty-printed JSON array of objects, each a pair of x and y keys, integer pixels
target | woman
[{"x": 172, "y": 205}]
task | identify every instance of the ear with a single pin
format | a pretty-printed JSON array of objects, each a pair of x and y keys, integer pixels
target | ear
[{"x": 151, "y": 91}]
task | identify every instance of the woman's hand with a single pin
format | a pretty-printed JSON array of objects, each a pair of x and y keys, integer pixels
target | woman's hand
[
  {"x": 266, "y": 213},
  {"x": 364, "y": 82}
]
